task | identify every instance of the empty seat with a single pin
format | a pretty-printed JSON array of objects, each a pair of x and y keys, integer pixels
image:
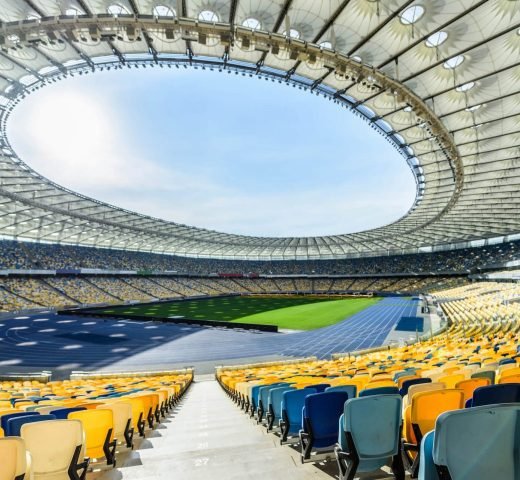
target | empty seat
[
  {"x": 56, "y": 449},
  {"x": 480, "y": 443},
  {"x": 14, "y": 425},
  {"x": 370, "y": 436},
  {"x": 420, "y": 417},
  {"x": 292, "y": 405},
  {"x": 274, "y": 407},
  {"x": 16, "y": 461},
  {"x": 320, "y": 421},
  {"x": 4, "y": 419},
  {"x": 469, "y": 386},
  {"x": 263, "y": 399},
  {"x": 405, "y": 386},
  {"x": 98, "y": 426},
  {"x": 502, "y": 393},
  {"x": 122, "y": 413},
  {"x": 351, "y": 390},
  {"x": 319, "y": 387},
  {"x": 63, "y": 413},
  {"x": 485, "y": 374},
  {"x": 379, "y": 391}
]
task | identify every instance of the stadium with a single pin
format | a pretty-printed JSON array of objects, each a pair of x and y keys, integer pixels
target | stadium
[{"x": 135, "y": 344}]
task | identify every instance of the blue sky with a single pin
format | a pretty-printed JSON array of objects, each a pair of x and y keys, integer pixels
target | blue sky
[{"x": 215, "y": 150}]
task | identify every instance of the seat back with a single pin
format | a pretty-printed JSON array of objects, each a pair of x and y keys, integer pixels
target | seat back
[
  {"x": 319, "y": 387},
  {"x": 96, "y": 424},
  {"x": 4, "y": 419},
  {"x": 412, "y": 381},
  {"x": 138, "y": 410},
  {"x": 469, "y": 386},
  {"x": 264, "y": 393},
  {"x": 367, "y": 392},
  {"x": 12, "y": 453},
  {"x": 427, "y": 406},
  {"x": 350, "y": 390},
  {"x": 14, "y": 425},
  {"x": 322, "y": 412},
  {"x": 275, "y": 400},
  {"x": 292, "y": 404},
  {"x": 479, "y": 443},
  {"x": 122, "y": 412},
  {"x": 451, "y": 380},
  {"x": 52, "y": 445},
  {"x": 485, "y": 374},
  {"x": 63, "y": 413},
  {"x": 427, "y": 468},
  {"x": 502, "y": 393},
  {"x": 255, "y": 391},
  {"x": 423, "y": 387},
  {"x": 375, "y": 425}
]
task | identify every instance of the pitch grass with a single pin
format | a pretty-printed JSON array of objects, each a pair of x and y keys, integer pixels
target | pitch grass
[{"x": 290, "y": 312}]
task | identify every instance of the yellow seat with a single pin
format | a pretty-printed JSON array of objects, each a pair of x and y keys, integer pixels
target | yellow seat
[
  {"x": 16, "y": 461},
  {"x": 55, "y": 447},
  {"x": 511, "y": 372},
  {"x": 138, "y": 413},
  {"x": 98, "y": 425},
  {"x": 122, "y": 413},
  {"x": 421, "y": 415},
  {"x": 421, "y": 387},
  {"x": 469, "y": 386},
  {"x": 510, "y": 379},
  {"x": 451, "y": 380}
]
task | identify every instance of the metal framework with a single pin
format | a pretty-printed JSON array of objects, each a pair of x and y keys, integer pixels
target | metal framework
[{"x": 439, "y": 80}]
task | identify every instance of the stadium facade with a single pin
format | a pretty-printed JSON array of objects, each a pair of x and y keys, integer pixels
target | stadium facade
[{"x": 440, "y": 83}]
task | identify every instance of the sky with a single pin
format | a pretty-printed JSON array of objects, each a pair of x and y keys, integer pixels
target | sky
[{"x": 215, "y": 150}]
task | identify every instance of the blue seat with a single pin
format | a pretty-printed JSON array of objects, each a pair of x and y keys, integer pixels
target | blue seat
[
  {"x": 479, "y": 443},
  {"x": 413, "y": 381},
  {"x": 63, "y": 413},
  {"x": 320, "y": 421},
  {"x": 370, "y": 436},
  {"x": 427, "y": 468},
  {"x": 492, "y": 394},
  {"x": 320, "y": 387},
  {"x": 350, "y": 390},
  {"x": 4, "y": 419},
  {"x": 292, "y": 406},
  {"x": 14, "y": 425},
  {"x": 274, "y": 405},
  {"x": 263, "y": 398},
  {"x": 255, "y": 391},
  {"x": 506, "y": 361},
  {"x": 368, "y": 392}
]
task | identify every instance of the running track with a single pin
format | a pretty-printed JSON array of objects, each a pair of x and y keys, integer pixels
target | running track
[{"x": 70, "y": 342}]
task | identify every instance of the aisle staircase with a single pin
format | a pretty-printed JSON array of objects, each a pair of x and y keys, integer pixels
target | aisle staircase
[{"x": 208, "y": 437}]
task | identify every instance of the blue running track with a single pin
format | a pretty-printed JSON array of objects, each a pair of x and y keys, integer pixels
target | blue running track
[{"x": 71, "y": 342}]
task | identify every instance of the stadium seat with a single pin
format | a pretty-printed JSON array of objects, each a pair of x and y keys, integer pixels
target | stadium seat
[
  {"x": 138, "y": 414},
  {"x": 122, "y": 413},
  {"x": 274, "y": 407},
  {"x": 351, "y": 390},
  {"x": 469, "y": 386},
  {"x": 63, "y": 413},
  {"x": 14, "y": 425},
  {"x": 423, "y": 387},
  {"x": 319, "y": 387},
  {"x": 420, "y": 416},
  {"x": 485, "y": 374},
  {"x": 292, "y": 406},
  {"x": 5, "y": 417},
  {"x": 379, "y": 391},
  {"x": 427, "y": 468},
  {"x": 320, "y": 416},
  {"x": 492, "y": 394},
  {"x": 16, "y": 461},
  {"x": 56, "y": 449},
  {"x": 263, "y": 399},
  {"x": 412, "y": 381},
  {"x": 480, "y": 443},
  {"x": 98, "y": 426},
  {"x": 370, "y": 436}
]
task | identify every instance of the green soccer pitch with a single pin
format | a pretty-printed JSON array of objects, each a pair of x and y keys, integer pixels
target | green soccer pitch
[{"x": 290, "y": 312}]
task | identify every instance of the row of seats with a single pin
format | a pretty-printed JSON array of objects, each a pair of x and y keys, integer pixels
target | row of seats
[
  {"x": 468, "y": 366},
  {"x": 57, "y": 430}
]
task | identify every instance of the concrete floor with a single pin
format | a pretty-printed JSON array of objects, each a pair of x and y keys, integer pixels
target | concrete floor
[{"x": 208, "y": 437}]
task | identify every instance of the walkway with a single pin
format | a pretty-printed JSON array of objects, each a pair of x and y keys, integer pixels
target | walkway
[{"x": 208, "y": 437}]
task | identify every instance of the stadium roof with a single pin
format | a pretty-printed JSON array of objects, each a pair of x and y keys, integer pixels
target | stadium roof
[{"x": 439, "y": 79}]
